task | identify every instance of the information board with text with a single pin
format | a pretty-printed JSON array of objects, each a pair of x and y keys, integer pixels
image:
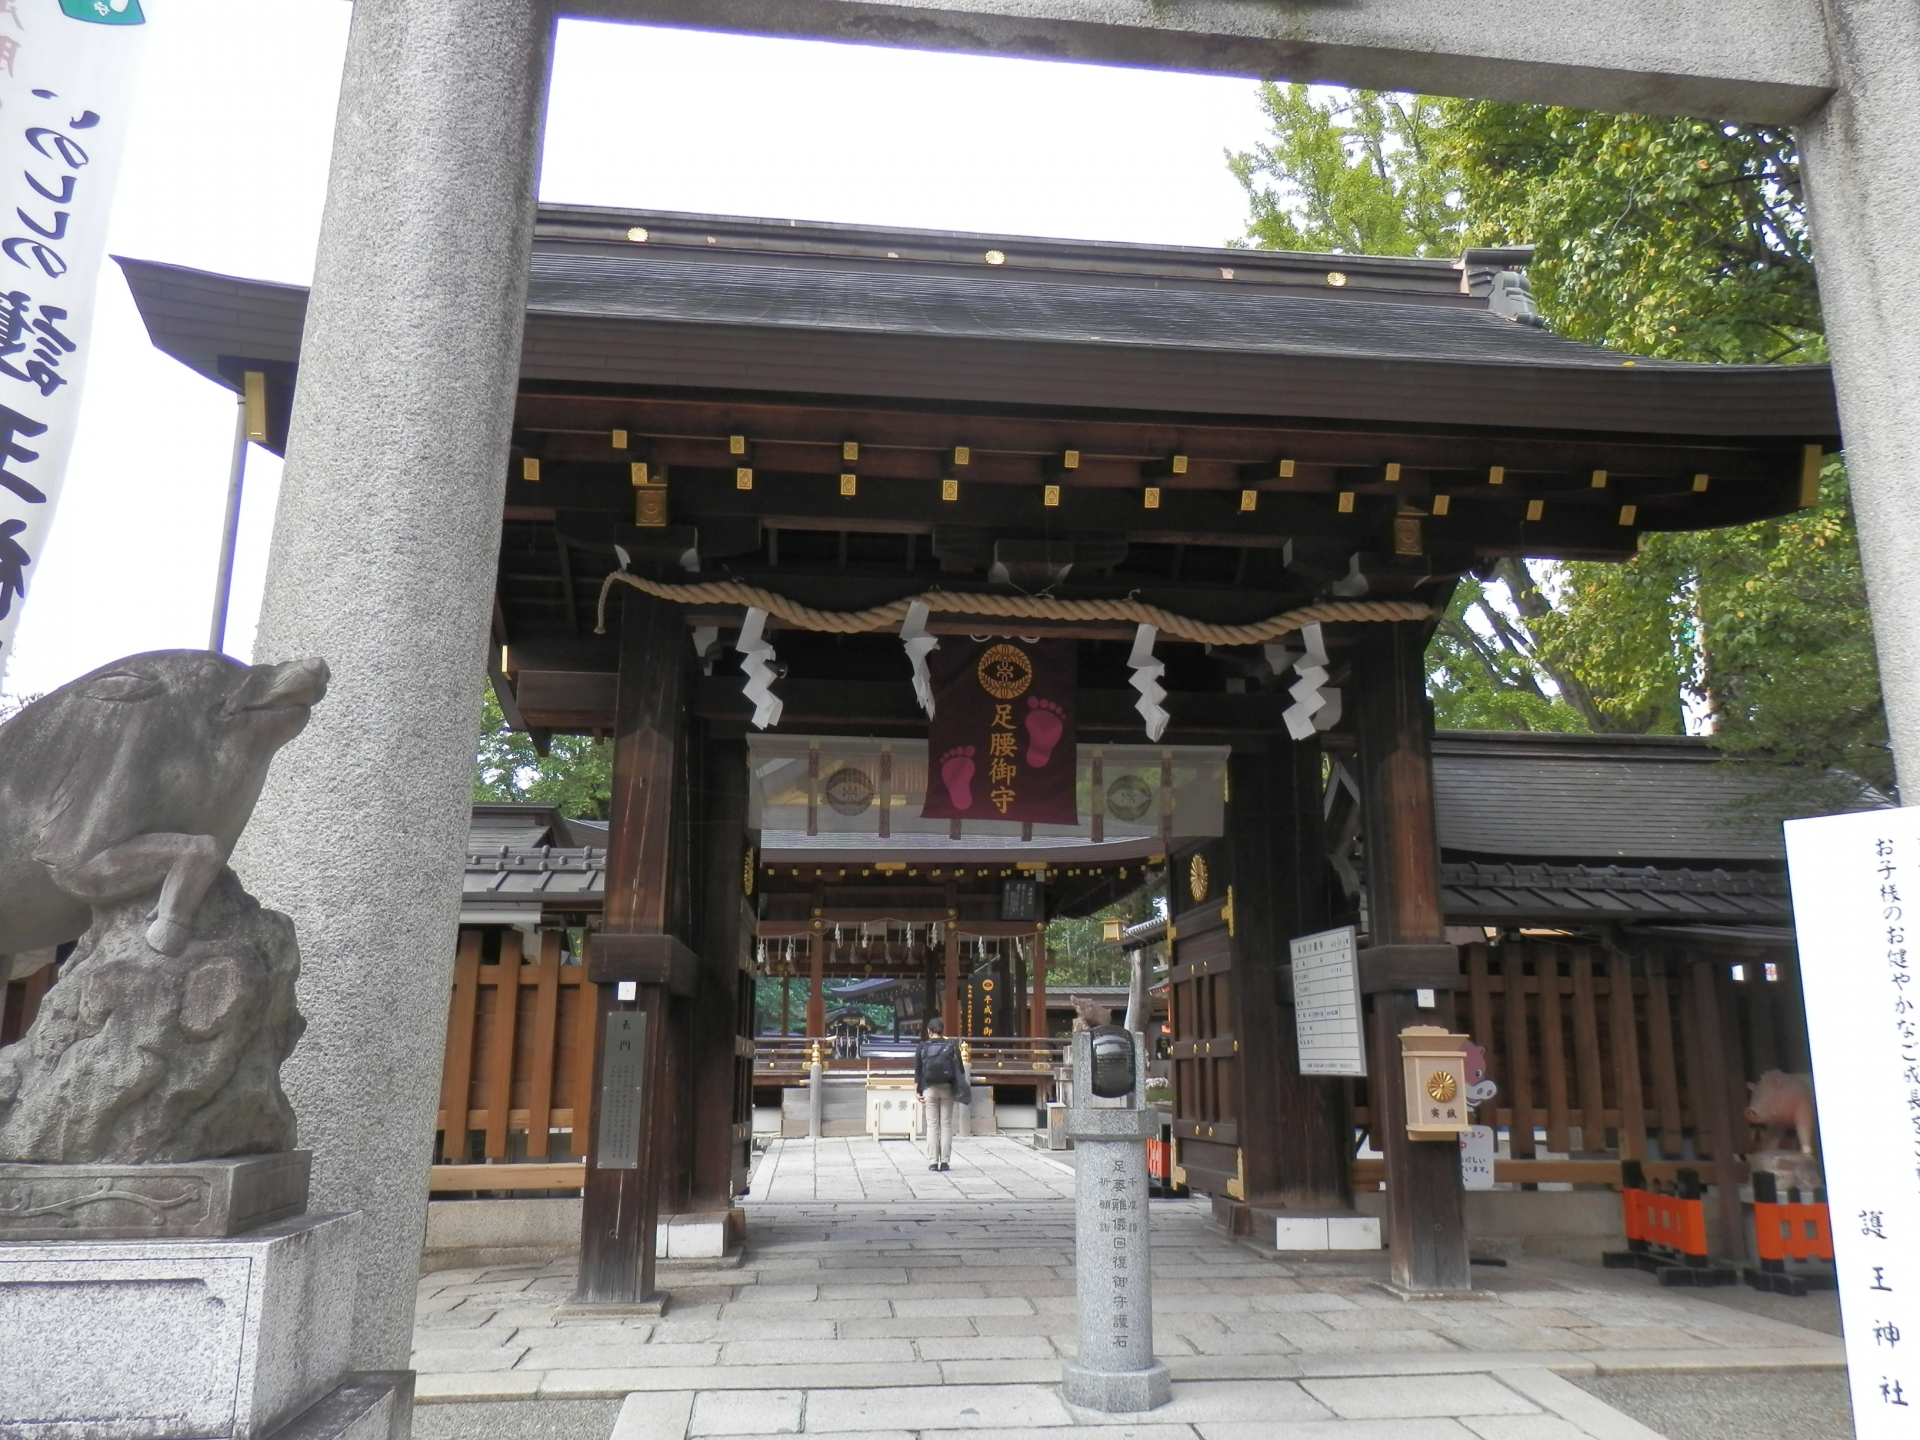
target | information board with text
[{"x": 1326, "y": 1003}]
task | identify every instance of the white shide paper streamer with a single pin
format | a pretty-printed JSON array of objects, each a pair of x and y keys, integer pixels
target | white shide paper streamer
[
  {"x": 1146, "y": 679},
  {"x": 919, "y": 644},
  {"x": 757, "y": 661}
]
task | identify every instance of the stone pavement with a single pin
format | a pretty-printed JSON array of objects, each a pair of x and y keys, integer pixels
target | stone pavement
[
  {"x": 990, "y": 1168},
  {"x": 883, "y": 1300}
]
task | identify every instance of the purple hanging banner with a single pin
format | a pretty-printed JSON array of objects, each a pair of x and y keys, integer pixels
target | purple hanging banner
[{"x": 1000, "y": 746}]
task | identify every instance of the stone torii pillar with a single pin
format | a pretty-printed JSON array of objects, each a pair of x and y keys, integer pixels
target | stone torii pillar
[
  {"x": 383, "y": 560},
  {"x": 1862, "y": 166}
]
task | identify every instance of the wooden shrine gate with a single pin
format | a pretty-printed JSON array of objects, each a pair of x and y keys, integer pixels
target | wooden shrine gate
[{"x": 840, "y": 453}]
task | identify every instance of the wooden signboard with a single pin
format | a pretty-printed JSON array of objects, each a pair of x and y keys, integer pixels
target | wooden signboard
[
  {"x": 620, "y": 1071},
  {"x": 1326, "y": 1004}
]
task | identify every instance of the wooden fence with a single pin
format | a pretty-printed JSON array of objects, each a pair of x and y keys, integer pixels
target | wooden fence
[
  {"x": 20, "y": 1002},
  {"x": 519, "y": 1049},
  {"x": 1645, "y": 1054},
  {"x": 783, "y": 1060}
]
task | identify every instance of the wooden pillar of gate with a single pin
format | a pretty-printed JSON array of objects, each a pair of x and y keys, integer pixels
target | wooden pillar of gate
[
  {"x": 1295, "y": 1135},
  {"x": 636, "y": 944},
  {"x": 950, "y": 990},
  {"x": 1406, "y": 950},
  {"x": 817, "y": 994},
  {"x": 712, "y": 1142},
  {"x": 1037, "y": 978}
]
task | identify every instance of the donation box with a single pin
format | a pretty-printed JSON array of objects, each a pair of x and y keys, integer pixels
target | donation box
[{"x": 1434, "y": 1063}]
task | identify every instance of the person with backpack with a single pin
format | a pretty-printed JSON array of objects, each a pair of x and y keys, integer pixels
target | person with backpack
[{"x": 940, "y": 1080}]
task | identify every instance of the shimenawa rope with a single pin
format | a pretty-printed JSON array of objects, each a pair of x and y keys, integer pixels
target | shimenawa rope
[{"x": 1010, "y": 607}]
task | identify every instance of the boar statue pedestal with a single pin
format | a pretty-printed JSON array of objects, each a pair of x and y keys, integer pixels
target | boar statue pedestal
[{"x": 158, "y": 1273}]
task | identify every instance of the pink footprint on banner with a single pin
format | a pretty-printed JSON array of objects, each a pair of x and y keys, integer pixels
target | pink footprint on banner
[
  {"x": 1046, "y": 723},
  {"x": 956, "y": 773}
]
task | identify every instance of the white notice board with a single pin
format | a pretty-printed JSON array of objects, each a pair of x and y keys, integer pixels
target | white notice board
[
  {"x": 1326, "y": 1004},
  {"x": 1856, "y": 901}
]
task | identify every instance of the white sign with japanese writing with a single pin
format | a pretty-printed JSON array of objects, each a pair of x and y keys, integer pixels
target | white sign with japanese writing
[
  {"x": 1326, "y": 1004},
  {"x": 1477, "y": 1146},
  {"x": 1856, "y": 897},
  {"x": 67, "y": 71}
]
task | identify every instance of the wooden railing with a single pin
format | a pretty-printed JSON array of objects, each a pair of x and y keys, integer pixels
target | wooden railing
[
  {"x": 1644, "y": 1055},
  {"x": 1369, "y": 1174},
  {"x": 519, "y": 1050},
  {"x": 784, "y": 1057}
]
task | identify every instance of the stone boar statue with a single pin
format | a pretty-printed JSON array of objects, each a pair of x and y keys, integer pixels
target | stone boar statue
[
  {"x": 139, "y": 775},
  {"x": 1778, "y": 1102}
]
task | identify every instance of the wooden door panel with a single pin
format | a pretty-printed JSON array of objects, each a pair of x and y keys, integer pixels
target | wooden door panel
[{"x": 1206, "y": 1090}]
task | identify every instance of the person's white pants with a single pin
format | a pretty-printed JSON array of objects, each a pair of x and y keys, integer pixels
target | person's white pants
[{"x": 939, "y": 1100}]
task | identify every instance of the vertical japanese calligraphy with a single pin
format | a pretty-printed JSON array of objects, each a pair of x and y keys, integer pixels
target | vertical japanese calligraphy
[
  {"x": 67, "y": 71},
  {"x": 1853, "y": 878},
  {"x": 1000, "y": 745}
]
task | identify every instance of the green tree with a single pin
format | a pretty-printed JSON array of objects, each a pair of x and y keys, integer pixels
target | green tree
[
  {"x": 1076, "y": 955},
  {"x": 1354, "y": 173},
  {"x": 1681, "y": 239},
  {"x": 576, "y": 773}
]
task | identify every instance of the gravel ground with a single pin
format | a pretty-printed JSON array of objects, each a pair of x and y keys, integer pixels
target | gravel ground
[
  {"x": 517, "y": 1420},
  {"x": 1775, "y": 1404},
  {"x": 1816, "y": 1310}
]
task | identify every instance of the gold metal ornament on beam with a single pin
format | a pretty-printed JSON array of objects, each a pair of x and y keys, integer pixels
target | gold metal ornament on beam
[
  {"x": 649, "y": 497},
  {"x": 1198, "y": 878}
]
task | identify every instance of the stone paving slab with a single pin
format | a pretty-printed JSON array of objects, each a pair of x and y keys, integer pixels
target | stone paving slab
[
  {"x": 900, "y": 1311},
  {"x": 1510, "y": 1406}
]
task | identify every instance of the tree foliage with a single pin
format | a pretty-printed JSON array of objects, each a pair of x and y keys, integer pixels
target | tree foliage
[
  {"x": 1680, "y": 239},
  {"x": 1683, "y": 239},
  {"x": 1356, "y": 175},
  {"x": 1076, "y": 955},
  {"x": 575, "y": 774}
]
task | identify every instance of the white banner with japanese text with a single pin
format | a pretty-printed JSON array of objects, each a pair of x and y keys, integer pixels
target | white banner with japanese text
[
  {"x": 67, "y": 72},
  {"x": 1854, "y": 878}
]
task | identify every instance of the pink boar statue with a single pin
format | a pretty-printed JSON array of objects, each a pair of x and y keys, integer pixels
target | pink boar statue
[{"x": 1780, "y": 1102}]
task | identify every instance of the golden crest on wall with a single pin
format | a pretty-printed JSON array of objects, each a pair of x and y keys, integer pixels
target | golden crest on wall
[
  {"x": 1005, "y": 672},
  {"x": 1197, "y": 878}
]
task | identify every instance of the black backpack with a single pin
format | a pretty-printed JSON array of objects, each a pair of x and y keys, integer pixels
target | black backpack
[{"x": 939, "y": 1064}]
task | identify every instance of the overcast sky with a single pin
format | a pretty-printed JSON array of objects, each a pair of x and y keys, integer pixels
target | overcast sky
[{"x": 227, "y": 172}]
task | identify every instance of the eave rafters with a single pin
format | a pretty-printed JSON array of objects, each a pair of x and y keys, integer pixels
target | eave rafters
[{"x": 864, "y": 468}]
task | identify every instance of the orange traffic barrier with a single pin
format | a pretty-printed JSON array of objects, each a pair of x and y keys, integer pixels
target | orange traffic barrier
[
  {"x": 1669, "y": 1221},
  {"x": 1666, "y": 1234},
  {"x": 1792, "y": 1232}
]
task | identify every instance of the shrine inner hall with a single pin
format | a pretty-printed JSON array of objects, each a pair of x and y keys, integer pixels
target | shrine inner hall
[{"x": 931, "y": 586}]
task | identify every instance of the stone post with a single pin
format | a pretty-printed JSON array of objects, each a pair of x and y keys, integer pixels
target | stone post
[
  {"x": 1862, "y": 165},
  {"x": 1109, "y": 1123},
  {"x": 383, "y": 559},
  {"x": 816, "y": 1095}
]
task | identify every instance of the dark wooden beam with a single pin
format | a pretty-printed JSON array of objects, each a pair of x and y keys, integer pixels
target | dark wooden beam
[
  {"x": 1295, "y": 1135},
  {"x": 576, "y": 701},
  {"x": 620, "y": 1211},
  {"x": 1572, "y": 511},
  {"x": 719, "y": 843},
  {"x": 906, "y": 440},
  {"x": 1426, "y": 1207}
]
